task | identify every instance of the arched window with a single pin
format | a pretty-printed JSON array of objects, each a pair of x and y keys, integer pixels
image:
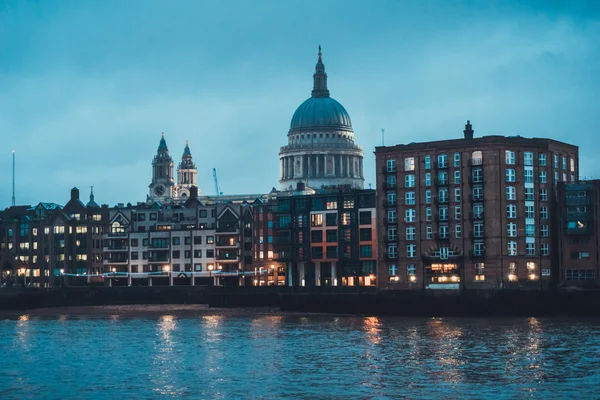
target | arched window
[{"x": 477, "y": 158}]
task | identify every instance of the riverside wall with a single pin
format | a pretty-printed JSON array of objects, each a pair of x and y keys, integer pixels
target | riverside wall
[{"x": 339, "y": 300}]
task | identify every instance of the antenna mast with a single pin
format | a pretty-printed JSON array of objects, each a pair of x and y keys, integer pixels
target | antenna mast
[{"x": 13, "y": 182}]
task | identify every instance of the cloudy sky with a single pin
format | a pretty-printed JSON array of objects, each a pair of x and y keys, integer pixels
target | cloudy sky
[{"x": 87, "y": 87}]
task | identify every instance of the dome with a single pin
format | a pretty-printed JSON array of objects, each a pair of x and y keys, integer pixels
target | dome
[{"x": 318, "y": 113}]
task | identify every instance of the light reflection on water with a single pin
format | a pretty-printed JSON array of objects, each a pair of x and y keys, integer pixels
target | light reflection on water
[{"x": 285, "y": 356}]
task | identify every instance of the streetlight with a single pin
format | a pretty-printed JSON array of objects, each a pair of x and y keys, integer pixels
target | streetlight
[{"x": 210, "y": 269}]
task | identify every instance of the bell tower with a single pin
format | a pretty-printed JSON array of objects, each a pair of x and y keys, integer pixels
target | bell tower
[
  {"x": 161, "y": 188},
  {"x": 186, "y": 174}
]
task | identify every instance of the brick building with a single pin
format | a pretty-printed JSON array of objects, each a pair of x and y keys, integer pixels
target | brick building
[
  {"x": 327, "y": 237},
  {"x": 579, "y": 233},
  {"x": 48, "y": 244},
  {"x": 470, "y": 212}
]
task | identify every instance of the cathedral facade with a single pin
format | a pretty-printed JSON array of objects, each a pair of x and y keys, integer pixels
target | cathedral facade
[
  {"x": 321, "y": 152},
  {"x": 163, "y": 187}
]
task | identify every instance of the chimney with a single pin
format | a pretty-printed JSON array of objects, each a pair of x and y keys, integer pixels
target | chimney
[
  {"x": 193, "y": 192},
  {"x": 74, "y": 194},
  {"x": 468, "y": 130}
]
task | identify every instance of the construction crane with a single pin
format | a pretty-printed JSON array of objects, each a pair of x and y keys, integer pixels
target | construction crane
[{"x": 216, "y": 182}]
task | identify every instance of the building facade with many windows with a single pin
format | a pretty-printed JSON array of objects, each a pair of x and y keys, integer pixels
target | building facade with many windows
[
  {"x": 470, "y": 212},
  {"x": 326, "y": 238}
]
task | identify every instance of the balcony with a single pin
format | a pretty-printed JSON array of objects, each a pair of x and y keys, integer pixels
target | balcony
[
  {"x": 228, "y": 228},
  {"x": 158, "y": 259},
  {"x": 227, "y": 244},
  {"x": 113, "y": 248},
  {"x": 227, "y": 257},
  {"x": 386, "y": 170},
  {"x": 160, "y": 245}
]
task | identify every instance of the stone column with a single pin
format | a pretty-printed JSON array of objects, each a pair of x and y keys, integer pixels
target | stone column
[
  {"x": 348, "y": 170},
  {"x": 310, "y": 171},
  {"x": 317, "y": 169},
  {"x": 341, "y": 174}
]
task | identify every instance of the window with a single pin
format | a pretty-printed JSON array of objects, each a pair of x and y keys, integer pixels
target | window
[
  {"x": 409, "y": 181},
  {"x": 529, "y": 196},
  {"x": 427, "y": 196},
  {"x": 477, "y": 158},
  {"x": 511, "y": 229},
  {"x": 542, "y": 157},
  {"x": 391, "y": 165},
  {"x": 187, "y": 253},
  {"x": 572, "y": 164},
  {"x": 478, "y": 193},
  {"x": 529, "y": 230},
  {"x": 544, "y": 230},
  {"x": 458, "y": 231},
  {"x": 564, "y": 177},
  {"x": 411, "y": 251},
  {"x": 479, "y": 276},
  {"x": 391, "y": 181},
  {"x": 316, "y": 220},
  {"x": 510, "y": 175},
  {"x": 427, "y": 162},
  {"x": 543, "y": 212},
  {"x": 528, "y": 158},
  {"x": 203, "y": 213},
  {"x": 176, "y": 240},
  {"x": 457, "y": 213},
  {"x": 443, "y": 195},
  {"x": 478, "y": 230},
  {"x": 528, "y": 176},
  {"x": 349, "y": 203},
  {"x": 442, "y": 161},
  {"x": 428, "y": 214},
  {"x": 530, "y": 249},
  {"x": 443, "y": 231},
  {"x": 332, "y": 237},
  {"x": 316, "y": 236},
  {"x": 411, "y": 271},
  {"x": 409, "y": 164},
  {"x": 509, "y": 157},
  {"x": 580, "y": 255},
  {"x": 428, "y": 179},
  {"x": 478, "y": 211},
  {"x": 365, "y": 235},
  {"x": 555, "y": 161},
  {"x": 443, "y": 178},
  {"x": 477, "y": 175},
  {"x": 410, "y": 215},
  {"x": 580, "y": 274},
  {"x": 409, "y": 198},
  {"x": 364, "y": 218},
  {"x": 456, "y": 160},
  {"x": 512, "y": 248},
  {"x": 511, "y": 193},
  {"x": 457, "y": 195},
  {"x": 478, "y": 248},
  {"x": 365, "y": 251},
  {"x": 456, "y": 177},
  {"x": 392, "y": 217},
  {"x": 410, "y": 232},
  {"x": 176, "y": 254},
  {"x": 564, "y": 163},
  {"x": 331, "y": 204},
  {"x": 443, "y": 213},
  {"x": 392, "y": 270},
  {"x": 392, "y": 250},
  {"x": 210, "y": 239},
  {"x": 197, "y": 239},
  {"x": 545, "y": 249},
  {"x": 512, "y": 271},
  {"x": 555, "y": 177},
  {"x": 543, "y": 178},
  {"x": 392, "y": 233},
  {"x": 429, "y": 232},
  {"x": 529, "y": 212},
  {"x": 391, "y": 198}
]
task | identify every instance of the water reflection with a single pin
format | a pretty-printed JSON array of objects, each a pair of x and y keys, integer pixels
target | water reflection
[
  {"x": 446, "y": 348},
  {"x": 165, "y": 360}
]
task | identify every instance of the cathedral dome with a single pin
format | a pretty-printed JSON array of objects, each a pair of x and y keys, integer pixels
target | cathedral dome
[{"x": 320, "y": 113}]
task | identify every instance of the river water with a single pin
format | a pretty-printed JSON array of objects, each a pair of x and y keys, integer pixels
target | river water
[{"x": 168, "y": 352}]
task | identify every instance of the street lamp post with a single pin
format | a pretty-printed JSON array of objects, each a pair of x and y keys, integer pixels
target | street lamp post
[{"x": 210, "y": 269}]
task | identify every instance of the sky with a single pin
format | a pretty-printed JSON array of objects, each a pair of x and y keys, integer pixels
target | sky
[{"x": 87, "y": 87}]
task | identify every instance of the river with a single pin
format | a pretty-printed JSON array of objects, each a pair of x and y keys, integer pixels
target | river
[{"x": 147, "y": 352}]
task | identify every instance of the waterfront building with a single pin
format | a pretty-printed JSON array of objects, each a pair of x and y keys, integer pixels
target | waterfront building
[
  {"x": 48, "y": 245},
  {"x": 579, "y": 236},
  {"x": 326, "y": 238},
  {"x": 470, "y": 212},
  {"x": 196, "y": 242},
  {"x": 268, "y": 271},
  {"x": 321, "y": 151}
]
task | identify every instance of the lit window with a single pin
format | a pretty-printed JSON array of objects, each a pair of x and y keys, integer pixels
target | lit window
[
  {"x": 477, "y": 158},
  {"x": 409, "y": 164},
  {"x": 479, "y": 272},
  {"x": 572, "y": 164},
  {"x": 512, "y": 272}
]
